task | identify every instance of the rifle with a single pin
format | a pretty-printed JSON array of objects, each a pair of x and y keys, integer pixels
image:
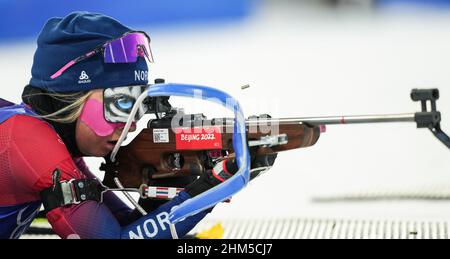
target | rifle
[{"x": 180, "y": 145}]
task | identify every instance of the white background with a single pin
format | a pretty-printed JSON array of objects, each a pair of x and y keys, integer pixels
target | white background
[{"x": 310, "y": 62}]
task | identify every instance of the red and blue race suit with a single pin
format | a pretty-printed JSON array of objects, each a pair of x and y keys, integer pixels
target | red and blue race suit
[{"x": 30, "y": 150}]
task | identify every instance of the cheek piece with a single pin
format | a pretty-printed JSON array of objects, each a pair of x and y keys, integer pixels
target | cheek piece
[{"x": 92, "y": 116}]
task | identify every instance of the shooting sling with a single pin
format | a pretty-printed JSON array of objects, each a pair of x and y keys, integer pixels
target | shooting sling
[{"x": 75, "y": 191}]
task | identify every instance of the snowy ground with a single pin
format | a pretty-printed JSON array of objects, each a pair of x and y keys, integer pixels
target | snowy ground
[{"x": 303, "y": 62}]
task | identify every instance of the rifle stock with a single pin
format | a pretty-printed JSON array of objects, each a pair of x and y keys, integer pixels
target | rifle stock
[{"x": 144, "y": 159}]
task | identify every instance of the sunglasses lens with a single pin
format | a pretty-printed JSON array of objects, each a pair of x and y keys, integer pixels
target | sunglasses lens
[{"x": 128, "y": 48}]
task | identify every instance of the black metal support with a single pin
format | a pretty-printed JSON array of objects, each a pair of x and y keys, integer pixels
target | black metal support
[{"x": 429, "y": 118}]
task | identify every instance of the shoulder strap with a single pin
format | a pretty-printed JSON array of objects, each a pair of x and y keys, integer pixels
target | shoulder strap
[
  {"x": 11, "y": 109},
  {"x": 4, "y": 103}
]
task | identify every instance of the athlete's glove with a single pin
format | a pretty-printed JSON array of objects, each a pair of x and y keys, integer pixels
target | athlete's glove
[
  {"x": 225, "y": 169},
  {"x": 220, "y": 173},
  {"x": 260, "y": 163}
]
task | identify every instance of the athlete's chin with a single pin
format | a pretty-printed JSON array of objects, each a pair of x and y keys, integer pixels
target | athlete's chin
[
  {"x": 108, "y": 149},
  {"x": 100, "y": 152},
  {"x": 103, "y": 154}
]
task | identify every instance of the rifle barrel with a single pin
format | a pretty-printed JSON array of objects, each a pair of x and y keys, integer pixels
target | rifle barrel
[{"x": 329, "y": 120}]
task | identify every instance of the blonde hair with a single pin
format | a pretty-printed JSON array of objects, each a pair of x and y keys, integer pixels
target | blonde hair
[{"x": 71, "y": 112}]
